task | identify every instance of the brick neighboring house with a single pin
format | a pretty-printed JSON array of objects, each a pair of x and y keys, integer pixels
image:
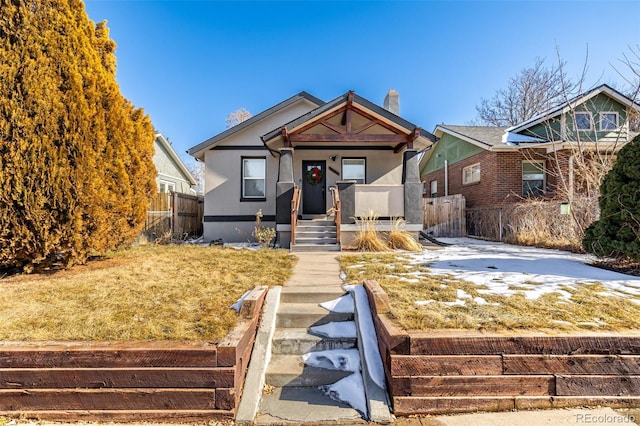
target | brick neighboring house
[{"x": 492, "y": 166}]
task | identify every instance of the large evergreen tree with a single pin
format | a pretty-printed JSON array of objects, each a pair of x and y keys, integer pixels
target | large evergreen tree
[
  {"x": 617, "y": 232},
  {"x": 76, "y": 171}
]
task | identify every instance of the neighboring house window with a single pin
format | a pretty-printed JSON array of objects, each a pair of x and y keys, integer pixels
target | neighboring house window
[
  {"x": 471, "y": 174},
  {"x": 166, "y": 187},
  {"x": 434, "y": 188},
  {"x": 608, "y": 120},
  {"x": 532, "y": 178},
  {"x": 254, "y": 178},
  {"x": 583, "y": 120},
  {"x": 354, "y": 169}
]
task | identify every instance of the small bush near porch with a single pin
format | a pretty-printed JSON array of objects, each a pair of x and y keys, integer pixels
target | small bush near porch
[{"x": 149, "y": 292}]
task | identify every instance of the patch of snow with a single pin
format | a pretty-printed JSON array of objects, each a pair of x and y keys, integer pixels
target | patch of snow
[
  {"x": 343, "y": 276},
  {"x": 349, "y": 390},
  {"x": 343, "y": 304},
  {"x": 424, "y": 302},
  {"x": 497, "y": 266},
  {"x": 368, "y": 339},
  {"x": 334, "y": 359},
  {"x": 238, "y": 305},
  {"x": 339, "y": 329}
]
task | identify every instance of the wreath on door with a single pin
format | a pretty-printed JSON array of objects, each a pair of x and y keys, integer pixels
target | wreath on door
[{"x": 314, "y": 176}]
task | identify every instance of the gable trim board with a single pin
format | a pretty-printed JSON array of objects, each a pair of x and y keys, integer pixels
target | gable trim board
[
  {"x": 174, "y": 161},
  {"x": 196, "y": 151},
  {"x": 572, "y": 104}
]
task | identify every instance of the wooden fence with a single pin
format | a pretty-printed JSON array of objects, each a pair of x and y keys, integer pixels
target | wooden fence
[
  {"x": 444, "y": 216},
  {"x": 174, "y": 216}
]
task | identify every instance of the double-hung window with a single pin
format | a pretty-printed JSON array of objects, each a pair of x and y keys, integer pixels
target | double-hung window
[
  {"x": 532, "y": 178},
  {"x": 608, "y": 120},
  {"x": 354, "y": 169},
  {"x": 254, "y": 178},
  {"x": 471, "y": 174},
  {"x": 583, "y": 121}
]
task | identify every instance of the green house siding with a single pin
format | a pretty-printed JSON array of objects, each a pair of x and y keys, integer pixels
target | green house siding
[
  {"x": 601, "y": 103},
  {"x": 452, "y": 149}
]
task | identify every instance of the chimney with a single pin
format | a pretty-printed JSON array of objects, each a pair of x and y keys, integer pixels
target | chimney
[{"x": 392, "y": 102}]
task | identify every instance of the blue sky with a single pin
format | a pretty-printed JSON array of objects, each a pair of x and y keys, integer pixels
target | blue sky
[{"x": 190, "y": 63}]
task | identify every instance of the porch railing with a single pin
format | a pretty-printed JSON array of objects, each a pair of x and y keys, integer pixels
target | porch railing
[
  {"x": 295, "y": 206},
  {"x": 336, "y": 210}
]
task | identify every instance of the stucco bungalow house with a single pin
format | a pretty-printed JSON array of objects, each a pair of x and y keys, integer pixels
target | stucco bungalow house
[
  {"x": 312, "y": 167},
  {"x": 491, "y": 166}
]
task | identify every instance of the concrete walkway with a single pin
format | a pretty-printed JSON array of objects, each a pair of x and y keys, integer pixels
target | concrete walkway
[{"x": 293, "y": 394}]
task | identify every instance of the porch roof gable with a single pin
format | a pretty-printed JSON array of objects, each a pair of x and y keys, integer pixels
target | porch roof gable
[{"x": 396, "y": 131}]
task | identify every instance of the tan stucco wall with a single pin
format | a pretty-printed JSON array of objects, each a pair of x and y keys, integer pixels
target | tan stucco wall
[
  {"x": 223, "y": 175},
  {"x": 383, "y": 167}
]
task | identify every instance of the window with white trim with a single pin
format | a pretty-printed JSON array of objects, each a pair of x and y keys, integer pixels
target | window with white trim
[
  {"x": 471, "y": 174},
  {"x": 254, "y": 178},
  {"x": 532, "y": 178},
  {"x": 434, "y": 188},
  {"x": 583, "y": 120},
  {"x": 608, "y": 120},
  {"x": 354, "y": 169},
  {"x": 165, "y": 187}
]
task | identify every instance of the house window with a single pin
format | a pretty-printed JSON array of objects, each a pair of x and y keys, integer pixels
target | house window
[
  {"x": 583, "y": 120},
  {"x": 471, "y": 174},
  {"x": 608, "y": 120},
  {"x": 166, "y": 187},
  {"x": 532, "y": 178},
  {"x": 434, "y": 188},
  {"x": 254, "y": 178},
  {"x": 354, "y": 169}
]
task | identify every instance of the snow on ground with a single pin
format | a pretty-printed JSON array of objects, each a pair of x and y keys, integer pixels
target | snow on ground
[{"x": 499, "y": 266}]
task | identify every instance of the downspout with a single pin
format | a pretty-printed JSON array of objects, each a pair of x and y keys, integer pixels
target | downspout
[{"x": 446, "y": 178}]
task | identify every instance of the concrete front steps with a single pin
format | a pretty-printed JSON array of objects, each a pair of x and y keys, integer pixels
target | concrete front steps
[
  {"x": 292, "y": 395},
  {"x": 316, "y": 235}
]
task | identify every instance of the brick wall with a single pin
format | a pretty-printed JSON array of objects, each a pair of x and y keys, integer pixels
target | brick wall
[{"x": 500, "y": 176}]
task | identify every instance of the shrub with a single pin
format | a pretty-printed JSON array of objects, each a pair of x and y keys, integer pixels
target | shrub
[
  {"x": 263, "y": 234},
  {"x": 76, "y": 156},
  {"x": 617, "y": 232}
]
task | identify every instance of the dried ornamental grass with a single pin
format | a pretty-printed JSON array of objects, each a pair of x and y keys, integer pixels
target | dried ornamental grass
[
  {"x": 368, "y": 238},
  {"x": 401, "y": 239}
]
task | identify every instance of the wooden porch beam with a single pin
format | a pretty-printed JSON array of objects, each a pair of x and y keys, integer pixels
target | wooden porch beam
[
  {"x": 348, "y": 111},
  {"x": 399, "y": 147},
  {"x": 285, "y": 137},
  {"x": 332, "y": 127},
  {"x": 365, "y": 127},
  {"x": 348, "y": 138}
]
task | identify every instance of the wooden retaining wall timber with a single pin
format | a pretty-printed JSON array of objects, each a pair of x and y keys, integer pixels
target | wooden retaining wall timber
[
  {"x": 453, "y": 371},
  {"x": 129, "y": 381}
]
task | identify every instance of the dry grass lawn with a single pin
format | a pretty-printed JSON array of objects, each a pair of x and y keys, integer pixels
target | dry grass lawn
[
  {"x": 150, "y": 292},
  {"x": 407, "y": 283}
]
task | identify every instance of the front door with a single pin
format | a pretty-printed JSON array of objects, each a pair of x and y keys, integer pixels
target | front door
[{"x": 313, "y": 187}]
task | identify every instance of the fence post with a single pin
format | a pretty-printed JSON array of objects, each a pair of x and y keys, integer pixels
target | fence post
[{"x": 174, "y": 213}]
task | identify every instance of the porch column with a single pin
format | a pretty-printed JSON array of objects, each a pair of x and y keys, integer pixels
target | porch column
[
  {"x": 347, "y": 191},
  {"x": 412, "y": 187},
  {"x": 284, "y": 186}
]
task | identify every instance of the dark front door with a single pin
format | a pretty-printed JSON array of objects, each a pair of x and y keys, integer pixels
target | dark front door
[{"x": 313, "y": 187}]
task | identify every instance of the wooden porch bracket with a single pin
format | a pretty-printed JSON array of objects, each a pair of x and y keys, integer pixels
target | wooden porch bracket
[{"x": 285, "y": 137}]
